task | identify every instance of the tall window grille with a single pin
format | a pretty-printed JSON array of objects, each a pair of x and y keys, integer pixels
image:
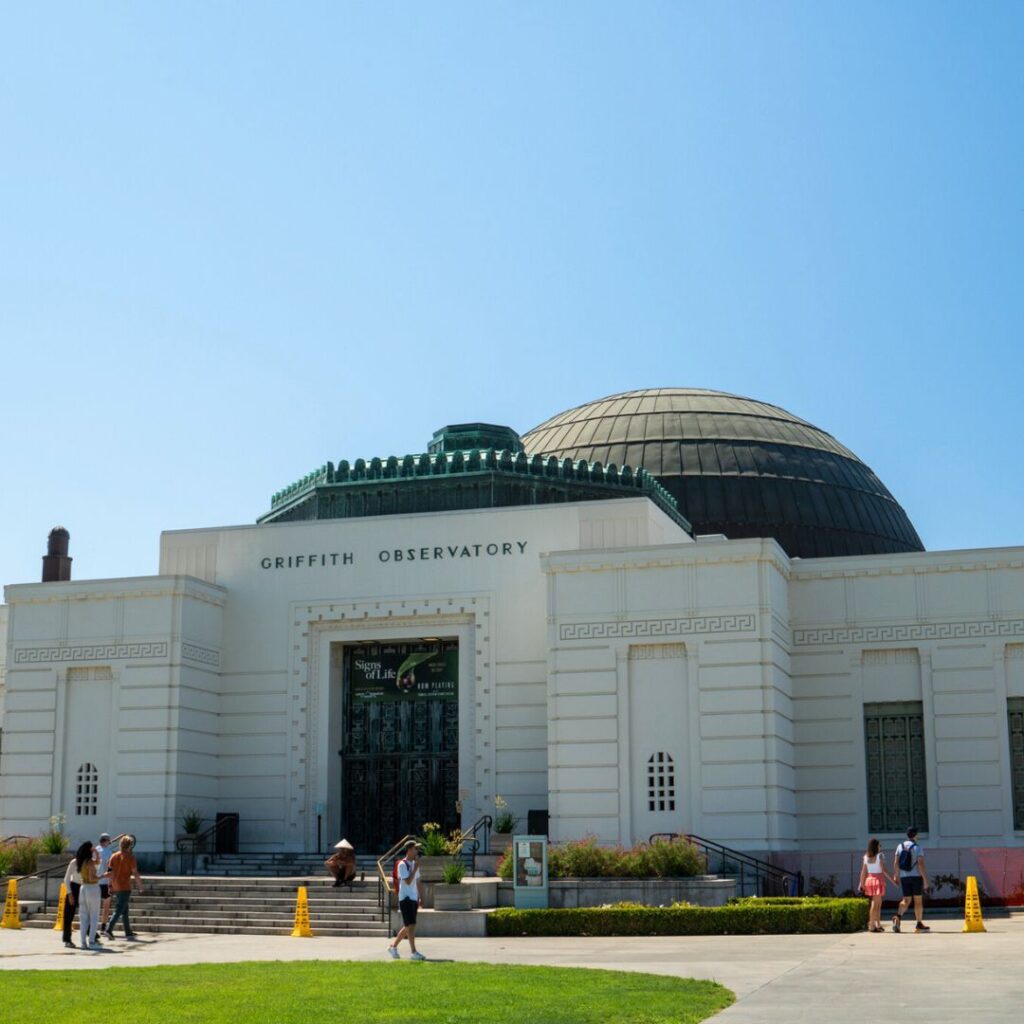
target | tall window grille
[
  {"x": 1015, "y": 712},
  {"x": 87, "y": 788},
  {"x": 897, "y": 781},
  {"x": 661, "y": 782}
]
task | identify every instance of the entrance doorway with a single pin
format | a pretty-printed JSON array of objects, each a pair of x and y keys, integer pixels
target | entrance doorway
[{"x": 400, "y": 740}]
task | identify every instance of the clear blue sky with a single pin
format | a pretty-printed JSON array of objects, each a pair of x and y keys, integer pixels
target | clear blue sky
[{"x": 238, "y": 240}]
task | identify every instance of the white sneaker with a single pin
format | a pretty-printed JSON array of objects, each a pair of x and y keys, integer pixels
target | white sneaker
[
  {"x": 393, "y": 953},
  {"x": 417, "y": 956}
]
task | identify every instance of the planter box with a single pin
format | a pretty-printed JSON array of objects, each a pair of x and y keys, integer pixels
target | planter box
[
  {"x": 432, "y": 868},
  {"x": 452, "y": 897},
  {"x": 45, "y": 861},
  {"x": 499, "y": 842}
]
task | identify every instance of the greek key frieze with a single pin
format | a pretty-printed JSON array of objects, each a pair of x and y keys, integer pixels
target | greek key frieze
[
  {"x": 90, "y": 652},
  {"x": 742, "y": 623},
  {"x": 905, "y": 632},
  {"x": 204, "y": 655}
]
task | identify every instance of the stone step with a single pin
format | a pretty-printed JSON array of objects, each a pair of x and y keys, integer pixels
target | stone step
[
  {"x": 247, "y": 906},
  {"x": 225, "y": 928}
]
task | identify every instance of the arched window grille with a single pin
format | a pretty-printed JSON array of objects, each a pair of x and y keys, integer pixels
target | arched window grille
[
  {"x": 87, "y": 787},
  {"x": 661, "y": 782}
]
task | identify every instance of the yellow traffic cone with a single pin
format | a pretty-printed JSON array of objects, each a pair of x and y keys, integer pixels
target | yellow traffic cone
[
  {"x": 972, "y": 907},
  {"x": 12, "y": 916},
  {"x": 58, "y": 925},
  {"x": 302, "y": 929}
]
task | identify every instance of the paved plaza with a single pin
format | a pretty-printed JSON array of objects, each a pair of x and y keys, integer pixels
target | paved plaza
[{"x": 944, "y": 976}]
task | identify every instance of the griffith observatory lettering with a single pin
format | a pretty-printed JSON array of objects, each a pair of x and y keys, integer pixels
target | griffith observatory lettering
[
  {"x": 422, "y": 553},
  {"x": 441, "y": 552}
]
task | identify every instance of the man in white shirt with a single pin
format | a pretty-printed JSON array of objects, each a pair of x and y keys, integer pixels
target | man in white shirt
[
  {"x": 409, "y": 901},
  {"x": 104, "y": 849},
  {"x": 913, "y": 880}
]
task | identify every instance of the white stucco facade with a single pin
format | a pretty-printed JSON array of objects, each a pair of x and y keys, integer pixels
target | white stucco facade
[{"x": 612, "y": 670}]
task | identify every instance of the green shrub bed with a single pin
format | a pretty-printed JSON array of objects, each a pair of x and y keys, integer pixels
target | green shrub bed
[
  {"x": 751, "y": 916},
  {"x": 584, "y": 858}
]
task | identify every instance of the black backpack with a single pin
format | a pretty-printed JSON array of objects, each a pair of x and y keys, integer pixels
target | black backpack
[{"x": 905, "y": 857}]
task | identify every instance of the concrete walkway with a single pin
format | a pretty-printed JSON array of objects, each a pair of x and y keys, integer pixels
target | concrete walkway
[{"x": 944, "y": 976}]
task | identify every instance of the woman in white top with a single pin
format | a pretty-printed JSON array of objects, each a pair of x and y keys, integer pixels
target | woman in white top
[
  {"x": 872, "y": 883},
  {"x": 88, "y": 895}
]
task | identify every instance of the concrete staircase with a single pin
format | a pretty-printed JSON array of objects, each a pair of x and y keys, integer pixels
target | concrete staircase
[
  {"x": 246, "y": 906},
  {"x": 272, "y": 865}
]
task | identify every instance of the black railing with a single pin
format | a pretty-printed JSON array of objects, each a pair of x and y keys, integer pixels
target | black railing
[
  {"x": 16, "y": 838},
  {"x": 384, "y": 889},
  {"x": 767, "y": 879},
  {"x": 191, "y": 846},
  {"x": 46, "y": 875},
  {"x": 471, "y": 844},
  {"x": 58, "y": 869}
]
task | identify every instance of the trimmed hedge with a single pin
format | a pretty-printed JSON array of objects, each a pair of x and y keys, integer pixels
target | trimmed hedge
[{"x": 751, "y": 916}]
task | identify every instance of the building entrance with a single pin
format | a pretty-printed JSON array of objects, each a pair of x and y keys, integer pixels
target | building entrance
[{"x": 400, "y": 746}]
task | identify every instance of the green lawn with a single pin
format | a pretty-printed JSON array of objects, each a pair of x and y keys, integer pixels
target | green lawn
[{"x": 311, "y": 991}]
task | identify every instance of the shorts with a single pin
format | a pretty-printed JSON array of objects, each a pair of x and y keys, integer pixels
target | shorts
[
  {"x": 913, "y": 885},
  {"x": 104, "y": 890},
  {"x": 408, "y": 909},
  {"x": 874, "y": 885}
]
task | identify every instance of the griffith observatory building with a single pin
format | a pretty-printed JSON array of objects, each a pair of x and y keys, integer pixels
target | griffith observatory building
[{"x": 669, "y": 610}]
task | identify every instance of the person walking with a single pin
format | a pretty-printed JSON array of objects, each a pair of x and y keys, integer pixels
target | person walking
[
  {"x": 104, "y": 850},
  {"x": 88, "y": 895},
  {"x": 872, "y": 883},
  {"x": 409, "y": 901},
  {"x": 913, "y": 875},
  {"x": 72, "y": 883},
  {"x": 123, "y": 868}
]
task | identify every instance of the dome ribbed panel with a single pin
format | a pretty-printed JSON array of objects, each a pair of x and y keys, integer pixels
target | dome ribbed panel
[{"x": 739, "y": 467}]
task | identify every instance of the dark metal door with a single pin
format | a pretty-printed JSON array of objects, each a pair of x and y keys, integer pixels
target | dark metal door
[{"x": 400, "y": 768}]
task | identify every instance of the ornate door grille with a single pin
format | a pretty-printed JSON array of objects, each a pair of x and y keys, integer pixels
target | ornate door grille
[
  {"x": 400, "y": 768},
  {"x": 897, "y": 781},
  {"x": 1015, "y": 711}
]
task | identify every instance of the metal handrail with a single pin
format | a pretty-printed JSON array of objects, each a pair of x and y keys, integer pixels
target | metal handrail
[
  {"x": 195, "y": 839},
  {"x": 770, "y": 879},
  {"x": 384, "y": 889},
  {"x": 485, "y": 821},
  {"x": 469, "y": 836},
  {"x": 17, "y": 837},
  {"x": 61, "y": 869}
]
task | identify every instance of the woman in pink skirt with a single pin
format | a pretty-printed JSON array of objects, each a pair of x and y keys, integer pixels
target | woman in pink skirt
[{"x": 872, "y": 883}]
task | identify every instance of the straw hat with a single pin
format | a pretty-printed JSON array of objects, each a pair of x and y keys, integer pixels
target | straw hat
[{"x": 344, "y": 845}]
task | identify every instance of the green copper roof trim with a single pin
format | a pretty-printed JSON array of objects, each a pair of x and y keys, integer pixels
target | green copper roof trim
[{"x": 475, "y": 461}]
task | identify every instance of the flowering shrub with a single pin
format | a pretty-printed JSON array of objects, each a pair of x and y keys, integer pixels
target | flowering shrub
[
  {"x": 584, "y": 858},
  {"x": 53, "y": 839},
  {"x": 435, "y": 843},
  {"x": 504, "y": 820}
]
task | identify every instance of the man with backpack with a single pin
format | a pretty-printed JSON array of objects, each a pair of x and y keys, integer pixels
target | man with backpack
[
  {"x": 409, "y": 901},
  {"x": 913, "y": 877}
]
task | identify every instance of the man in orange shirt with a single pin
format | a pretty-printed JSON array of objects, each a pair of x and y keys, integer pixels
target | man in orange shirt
[{"x": 121, "y": 871}]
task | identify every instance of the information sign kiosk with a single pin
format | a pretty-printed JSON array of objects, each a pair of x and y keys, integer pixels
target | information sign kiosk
[{"x": 530, "y": 871}]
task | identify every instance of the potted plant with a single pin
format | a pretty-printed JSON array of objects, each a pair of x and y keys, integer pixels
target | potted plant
[
  {"x": 504, "y": 825},
  {"x": 450, "y": 893},
  {"x": 191, "y": 823},
  {"x": 52, "y": 845},
  {"x": 436, "y": 850}
]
